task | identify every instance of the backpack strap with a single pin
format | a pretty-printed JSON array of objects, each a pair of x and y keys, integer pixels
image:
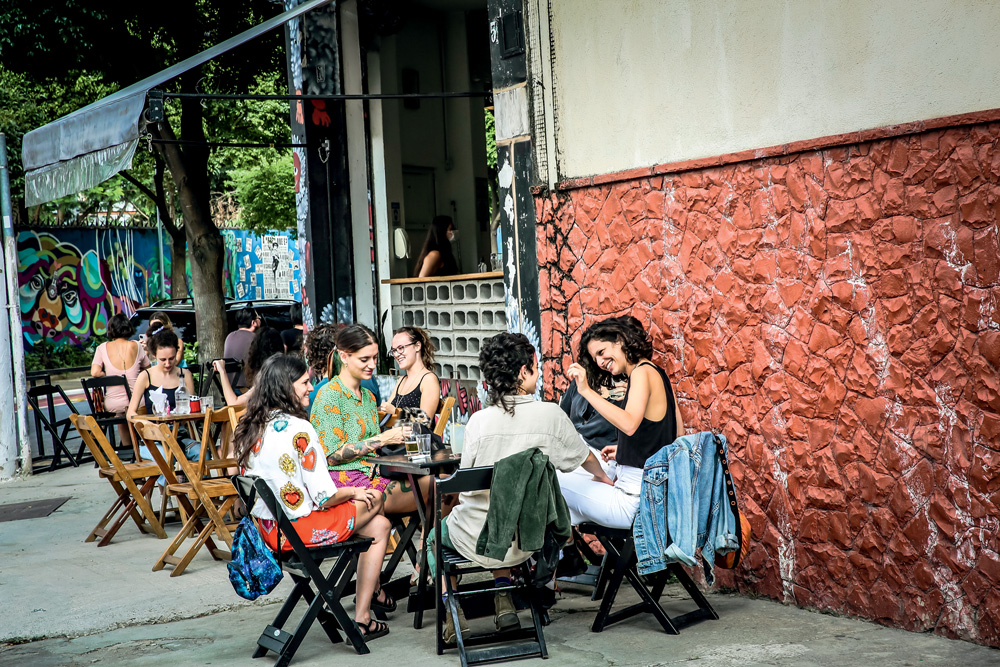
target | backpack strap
[{"x": 730, "y": 489}]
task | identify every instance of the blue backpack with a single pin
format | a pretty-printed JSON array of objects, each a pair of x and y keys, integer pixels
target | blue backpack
[{"x": 253, "y": 571}]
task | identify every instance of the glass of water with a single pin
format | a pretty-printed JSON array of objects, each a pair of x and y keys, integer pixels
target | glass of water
[{"x": 207, "y": 403}]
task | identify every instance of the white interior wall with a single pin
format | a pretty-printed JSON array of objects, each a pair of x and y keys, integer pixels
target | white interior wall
[{"x": 645, "y": 82}]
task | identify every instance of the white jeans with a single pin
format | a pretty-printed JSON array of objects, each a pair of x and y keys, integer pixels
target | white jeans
[{"x": 596, "y": 502}]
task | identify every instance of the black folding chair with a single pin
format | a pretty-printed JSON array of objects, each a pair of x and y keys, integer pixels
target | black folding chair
[
  {"x": 303, "y": 565},
  {"x": 530, "y": 642},
  {"x": 620, "y": 563},
  {"x": 58, "y": 429},
  {"x": 210, "y": 378},
  {"x": 95, "y": 389}
]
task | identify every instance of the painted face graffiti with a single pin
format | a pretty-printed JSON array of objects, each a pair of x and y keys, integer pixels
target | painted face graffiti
[{"x": 62, "y": 291}]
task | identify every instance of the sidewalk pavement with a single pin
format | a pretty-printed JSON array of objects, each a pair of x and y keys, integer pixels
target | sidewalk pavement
[{"x": 68, "y": 602}]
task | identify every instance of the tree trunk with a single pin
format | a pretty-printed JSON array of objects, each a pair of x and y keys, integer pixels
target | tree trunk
[
  {"x": 178, "y": 264},
  {"x": 189, "y": 169}
]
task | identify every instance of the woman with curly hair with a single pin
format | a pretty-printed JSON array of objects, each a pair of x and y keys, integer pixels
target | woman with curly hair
[
  {"x": 649, "y": 419},
  {"x": 419, "y": 387},
  {"x": 275, "y": 441},
  {"x": 513, "y": 422}
]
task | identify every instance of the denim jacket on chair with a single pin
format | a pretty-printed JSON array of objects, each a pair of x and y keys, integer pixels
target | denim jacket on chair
[{"x": 683, "y": 506}]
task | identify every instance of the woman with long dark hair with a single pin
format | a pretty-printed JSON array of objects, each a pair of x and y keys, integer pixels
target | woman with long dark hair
[
  {"x": 649, "y": 419},
  {"x": 436, "y": 258},
  {"x": 160, "y": 321},
  {"x": 513, "y": 422},
  {"x": 265, "y": 344},
  {"x": 275, "y": 441},
  {"x": 119, "y": 356}
]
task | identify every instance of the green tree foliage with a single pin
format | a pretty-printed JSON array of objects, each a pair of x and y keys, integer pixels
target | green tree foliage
[{"x": 266, "y": 195}]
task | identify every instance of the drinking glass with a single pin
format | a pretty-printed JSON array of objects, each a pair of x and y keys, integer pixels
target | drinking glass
[
  {"x": 409, "y": 438},
  {"x": 424, "y": 443},
  {"x": 208, "y": 403}
]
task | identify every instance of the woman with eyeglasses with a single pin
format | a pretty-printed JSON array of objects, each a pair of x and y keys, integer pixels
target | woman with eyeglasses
[{"x": 419, "y": 387}]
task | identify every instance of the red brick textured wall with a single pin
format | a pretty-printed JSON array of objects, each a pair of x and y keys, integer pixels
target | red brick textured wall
[{"x": 836, "y": 314}]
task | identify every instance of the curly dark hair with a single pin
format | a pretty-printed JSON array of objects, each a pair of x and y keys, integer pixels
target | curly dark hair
[
  {"x": 418, "y": 335},
  {"x": 626, "y": 330},
  {"x": 273, "y": 393},
  {"x": 500, "y": 360},
  {"x": 265, "y": 344},
  {"x": 320, "y": 342}
]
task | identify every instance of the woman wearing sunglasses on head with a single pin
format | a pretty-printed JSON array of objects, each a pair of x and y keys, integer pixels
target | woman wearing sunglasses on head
[{"x": 419, "y": 387}]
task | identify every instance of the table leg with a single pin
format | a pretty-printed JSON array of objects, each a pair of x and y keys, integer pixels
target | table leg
[{"x": 418, "y": 612}]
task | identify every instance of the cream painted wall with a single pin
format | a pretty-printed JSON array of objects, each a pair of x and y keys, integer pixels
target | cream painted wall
[{"x": 644, "y": 82}]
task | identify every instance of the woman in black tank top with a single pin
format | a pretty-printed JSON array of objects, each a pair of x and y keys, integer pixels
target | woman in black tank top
[
  {"x": 648, "y": 419},
  {"x": 419, "y": 388}
]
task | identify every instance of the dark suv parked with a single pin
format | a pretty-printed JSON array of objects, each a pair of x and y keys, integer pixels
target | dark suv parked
[{"x": 181, "y": 312}]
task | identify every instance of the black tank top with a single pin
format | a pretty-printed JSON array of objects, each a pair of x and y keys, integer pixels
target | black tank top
[
  {"x": 412, "y": 399},
  {"x": 152, "y": 387},
  {"x": 651, "y": 436}
]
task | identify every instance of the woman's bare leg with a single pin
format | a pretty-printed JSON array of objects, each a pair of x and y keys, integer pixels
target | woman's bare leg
[
  {"x": 369, "y": 523},
  {"x": 399, "y": 495}
]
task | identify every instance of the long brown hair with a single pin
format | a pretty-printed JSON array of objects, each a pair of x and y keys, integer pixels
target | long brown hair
[
  {"x": 273, "y": 394},
  {"x": 418, "y": 335},
  {"x": 437, "y": 239}
]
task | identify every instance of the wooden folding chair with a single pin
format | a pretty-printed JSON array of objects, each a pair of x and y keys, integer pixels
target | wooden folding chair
[
  {"x": 206, "y": 501},
  {"x": 443, "y": 414},
  {"x": 217, "y": 441},
  {"x": 123, "y": 478},
  {"x": 498, "y": 646},
  {"x": 303, "y": 566},
  {"x": 620, "y": 564}
]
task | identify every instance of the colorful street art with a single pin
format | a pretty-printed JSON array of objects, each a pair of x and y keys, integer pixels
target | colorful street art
[
  {"x": 265, "y": 267},
  {"x": 71, "y": 281},
  {"x": 62, "y": 290}
]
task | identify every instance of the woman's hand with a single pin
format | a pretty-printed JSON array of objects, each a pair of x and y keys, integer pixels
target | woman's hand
[
  {"x": 609, "y": 452},
  {"x": 604, "y": 479},
  {"x": 387, "y": 408},
  {"x": 220, "y": 366},
  {"x": 577, "y": 373},
  {"x": 367, "y": 496},
  {"x": 393, "y": 436}
]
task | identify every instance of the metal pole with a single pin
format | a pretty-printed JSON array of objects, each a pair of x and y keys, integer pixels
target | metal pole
[
  {"x": 159, "y": 246},
  {"x": 13, "y": 410}
]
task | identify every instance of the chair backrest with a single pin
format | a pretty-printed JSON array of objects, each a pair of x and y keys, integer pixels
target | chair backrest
[
  {"x": 443, "y": 414},
  {"x": 217, "y": 434},
  {"x": 249, "y": 488},
  {"x": 95, "y": 390},
  {"x": 153, "y": 435},
  {"x": 466, "y": 479},
  {"x": 92, "y": 436}
]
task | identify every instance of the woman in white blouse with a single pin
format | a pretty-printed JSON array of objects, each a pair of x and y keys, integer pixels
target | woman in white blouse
[{"x": 275, "y": 441}]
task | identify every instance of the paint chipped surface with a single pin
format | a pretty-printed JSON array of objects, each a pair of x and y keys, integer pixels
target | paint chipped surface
[{"x": 835, "y": 313}]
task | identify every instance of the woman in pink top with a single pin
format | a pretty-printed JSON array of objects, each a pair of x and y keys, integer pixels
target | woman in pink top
[{"x": 119, "y": 356}]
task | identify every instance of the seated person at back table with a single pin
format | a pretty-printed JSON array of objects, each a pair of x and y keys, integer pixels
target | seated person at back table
[
  {"x": 266, "y": 343},
  {"x": 419, "y": 387},
  {"x": 123, "y": 357},
  {"x": 436, "y": 257},
  {"x": 238, "y": 342},
  {"x": 513, "y": 422},
  {"x": 649, "y": 420}
]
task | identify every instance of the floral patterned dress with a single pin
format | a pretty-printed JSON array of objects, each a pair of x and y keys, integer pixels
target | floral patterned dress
[
  {"x": 289, "y": 457},
  {"x": 341, "y": 419}
]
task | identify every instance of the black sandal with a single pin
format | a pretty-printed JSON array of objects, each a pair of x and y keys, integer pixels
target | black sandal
[
  {"x": 387, "y": 604},
  {"x": 373, "y": 629}
]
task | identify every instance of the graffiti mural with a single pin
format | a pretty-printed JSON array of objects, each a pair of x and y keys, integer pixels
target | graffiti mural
[
  {"x": 62, "y": 290},
  {"x": 261, "y": 267},
  {"x": 71, "y": 281}
]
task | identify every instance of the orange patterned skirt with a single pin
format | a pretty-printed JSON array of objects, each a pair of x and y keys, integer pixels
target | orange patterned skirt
[{"x": 319, "y": 528}]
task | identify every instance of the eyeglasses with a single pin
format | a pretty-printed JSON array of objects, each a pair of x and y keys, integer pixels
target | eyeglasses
[{"x": 396, "y": 351}]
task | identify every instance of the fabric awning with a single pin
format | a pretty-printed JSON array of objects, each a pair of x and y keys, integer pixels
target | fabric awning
[{"x": 94, "y": 143}]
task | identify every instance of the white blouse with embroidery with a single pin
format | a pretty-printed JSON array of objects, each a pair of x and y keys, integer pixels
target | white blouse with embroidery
[{"x": 290, "y": 458}]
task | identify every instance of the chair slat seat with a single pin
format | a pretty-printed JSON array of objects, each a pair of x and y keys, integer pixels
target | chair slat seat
[{"x": 135, "y": 471}]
